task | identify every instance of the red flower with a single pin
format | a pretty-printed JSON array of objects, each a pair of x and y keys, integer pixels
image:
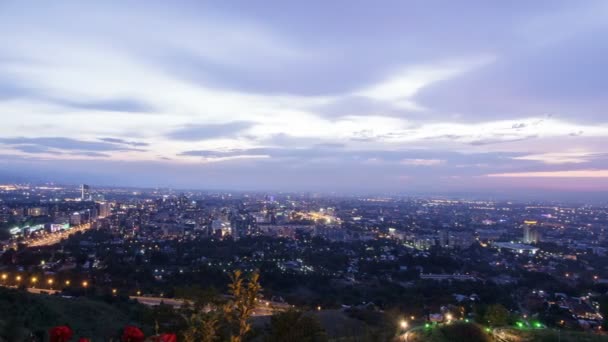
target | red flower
[
  {"x": 61, "y": 333},
  {"x": 132, "y": 334},
  {"x": 165, "y": 338}
]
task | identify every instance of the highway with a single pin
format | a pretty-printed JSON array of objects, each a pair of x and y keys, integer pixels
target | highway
[
  {"x": 264, "y": 308},
  {"x": 47, "y": 239}
]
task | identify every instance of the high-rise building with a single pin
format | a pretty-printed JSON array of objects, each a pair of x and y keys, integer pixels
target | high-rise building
[
  {"x": 75, "y": 219},
  {"x": 105, "y": 210},
  {"x": 85, "y": 192},
  {"x": 531, "y": 234}
]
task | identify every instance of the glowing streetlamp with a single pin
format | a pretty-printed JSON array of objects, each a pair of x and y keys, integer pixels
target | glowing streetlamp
[
  {"x": 34, "y": 280},
  {"x": 18, "y": 278},
  {"x": 114, "y": 291},
  {"x": 448, "y": 317},
  {"x": 85, "y": 284},
  {"x": 403, "y": 324},
  {"x": 4, "y": 277},
  {"x": 67, "y": 283}
]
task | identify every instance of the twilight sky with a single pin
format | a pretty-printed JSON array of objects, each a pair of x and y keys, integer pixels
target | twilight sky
[{"x": 307, "y": 95}]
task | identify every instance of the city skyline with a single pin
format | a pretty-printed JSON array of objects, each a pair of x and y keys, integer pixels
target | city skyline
[{"x": 329, "y": 96}]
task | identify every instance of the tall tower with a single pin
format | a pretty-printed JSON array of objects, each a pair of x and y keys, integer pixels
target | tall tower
[{"x": 85, "y": 192}]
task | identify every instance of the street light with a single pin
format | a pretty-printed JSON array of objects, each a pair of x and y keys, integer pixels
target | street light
[
  {"x": 67, "y": 283},
  {"x": 403, "y": 324},
  {"x": 448, "y": 316},
  {"x": 114, "y": 291},
  {"x": 34, "y": 281},
  {"x": 85, "y": 284},
  {"x": 50, "y": 282}
]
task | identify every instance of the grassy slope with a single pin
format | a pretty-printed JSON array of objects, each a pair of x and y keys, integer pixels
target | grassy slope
[{"x": 23, "y": 313}]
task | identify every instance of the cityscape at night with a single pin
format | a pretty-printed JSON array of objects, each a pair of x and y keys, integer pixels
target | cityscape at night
[
  {"x": 361, "y": 266},
  {"x": 303, "y": 171}
]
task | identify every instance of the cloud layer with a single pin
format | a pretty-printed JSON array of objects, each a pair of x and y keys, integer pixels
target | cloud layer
[{"x": 420, "y": 95}]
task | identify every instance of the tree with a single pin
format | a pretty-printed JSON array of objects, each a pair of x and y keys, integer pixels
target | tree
[
  {"x": 292, "y": 325},
  {"x": 496, "y": 315},
  {"x": 237, "y": 311},
  {"x": 202, "y": 327}
]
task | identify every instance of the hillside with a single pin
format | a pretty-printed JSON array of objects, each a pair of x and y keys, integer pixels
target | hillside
[{"x": 25, "y": 314}]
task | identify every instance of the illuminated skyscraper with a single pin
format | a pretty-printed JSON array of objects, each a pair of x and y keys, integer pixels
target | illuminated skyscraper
[
  {"x": 531, "y": 234},
  {"x": 104, "y": 209},
  {"x": 75, "y": 219},
  {"x": 85, "y": 192}
]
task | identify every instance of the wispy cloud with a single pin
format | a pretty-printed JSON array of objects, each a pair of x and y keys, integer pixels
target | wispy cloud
[
  {"x": 561, "y": 157},
  {"x": 198, "y": 132},
  {"x": 554, "y": 174},
  {"x": 124, "y": 142},
  {"x": 422, "y": 162},
  {"x": 60, "y": 146}
]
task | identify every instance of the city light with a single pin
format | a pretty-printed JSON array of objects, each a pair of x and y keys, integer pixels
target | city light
[{"x": 280, "y": 234}]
